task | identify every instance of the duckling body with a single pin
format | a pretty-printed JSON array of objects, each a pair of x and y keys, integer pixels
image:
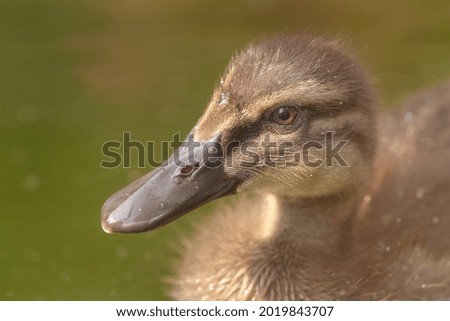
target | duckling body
[
  {"x": 371, "y": 222},
  {"x": 395, "y": 245}
]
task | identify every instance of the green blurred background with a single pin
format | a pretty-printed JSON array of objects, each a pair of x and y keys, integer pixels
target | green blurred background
[{"x": 74, "y": 74}]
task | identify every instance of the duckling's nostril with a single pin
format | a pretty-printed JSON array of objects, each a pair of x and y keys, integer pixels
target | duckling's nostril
[{"x": 186, "y": 170}]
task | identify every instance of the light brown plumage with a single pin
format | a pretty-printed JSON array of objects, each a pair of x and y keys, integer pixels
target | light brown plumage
[{"x": 377, "y": 229}]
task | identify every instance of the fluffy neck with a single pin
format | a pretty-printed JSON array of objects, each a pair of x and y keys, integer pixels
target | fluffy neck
[
  {"x": 317, "y": 226},
  {"x": 277, "y": 249}
]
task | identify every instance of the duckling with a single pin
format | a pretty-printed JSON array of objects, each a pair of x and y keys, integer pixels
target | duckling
[{"x": 339, "y": 204}]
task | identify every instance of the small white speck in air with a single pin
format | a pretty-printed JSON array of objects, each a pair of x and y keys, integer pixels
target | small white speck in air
[
  {"x": 121, "y": 252},
  {"x": 32, "y": 183},
  {"x": 408, "y": 117},
  {"x": 435, "y": 220},
  {"x": 140, "y": 209},
  {"x": 420, "y": 193},
  {"x": 9, "y": 294}
]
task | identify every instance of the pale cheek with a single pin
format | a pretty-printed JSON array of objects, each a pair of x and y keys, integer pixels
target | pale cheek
[
  {"x": 297, "y": 181},
  {"x": 304, "y": 181}
]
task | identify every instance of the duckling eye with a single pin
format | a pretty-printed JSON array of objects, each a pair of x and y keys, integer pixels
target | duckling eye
[{"x": 285, "y": 115}]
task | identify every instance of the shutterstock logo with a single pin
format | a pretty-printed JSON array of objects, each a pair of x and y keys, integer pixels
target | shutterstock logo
[{"x": 267, "y": 152}]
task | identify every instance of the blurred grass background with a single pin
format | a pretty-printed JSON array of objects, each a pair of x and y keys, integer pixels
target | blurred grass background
[{"x": 74, "y": 74}]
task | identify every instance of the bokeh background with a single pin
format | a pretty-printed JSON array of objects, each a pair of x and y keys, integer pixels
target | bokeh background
[{"x": 75, "y": 74}]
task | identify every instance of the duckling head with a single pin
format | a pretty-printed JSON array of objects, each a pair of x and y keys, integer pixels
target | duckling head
[{"x": 292, "y": 116}]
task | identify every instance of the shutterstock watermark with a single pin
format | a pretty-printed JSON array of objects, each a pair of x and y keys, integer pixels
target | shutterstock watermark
[{"x": 267, "y": 152}]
